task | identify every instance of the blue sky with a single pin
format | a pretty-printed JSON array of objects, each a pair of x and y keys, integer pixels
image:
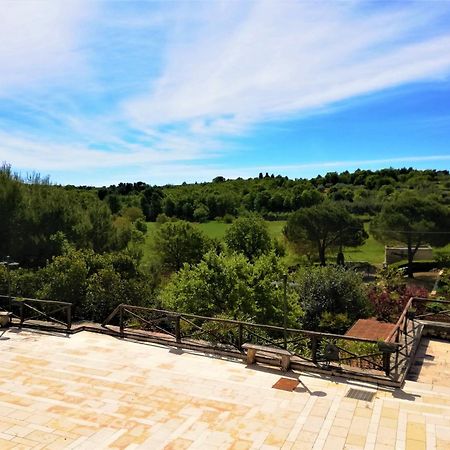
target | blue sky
[{"x": 98, "y": 92}]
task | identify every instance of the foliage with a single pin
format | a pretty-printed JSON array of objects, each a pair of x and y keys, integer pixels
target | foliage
[
  {"x": 322, "y": 227},
  {"x": 201, "y": 213},
  {"x": 249, "y": 236},
  {"x": 133, "y": 213},
  {"x": 34, "y": 213},
  {"x": 334, "y": 323},
  {"x": 444, "y": 284},
  {"x": 389, "y": 300},
  {"x": 179, "y": 242},
  {"x": 94, "y": 284},
  {"x": 151, "y": 202},
  {"x": 413, "y": 220},
  {"x": 229, "y": 285},
  {"x": 330, "y": 289},
  {"x": 272, "y": 196}
]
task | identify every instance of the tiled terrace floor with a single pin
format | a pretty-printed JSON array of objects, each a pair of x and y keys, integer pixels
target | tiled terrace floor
[{"x": 94, "y": 391}]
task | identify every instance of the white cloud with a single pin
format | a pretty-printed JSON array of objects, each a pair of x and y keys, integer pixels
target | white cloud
[
  {"x": 286, "y": 58},
  {"x": 226, "y": 67},
  {"x": 39, "y": 41},
  {"x": 47, "y": 155}
]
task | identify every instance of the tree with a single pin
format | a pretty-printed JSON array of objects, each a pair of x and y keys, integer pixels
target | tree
[
  {"x": 412, "y": 220},
  {"x": 228, "y": 286},
  {"x": 217, "y": 285},
  {"x": 113, "y": 201},
  {"x": 331, "y": 290},
  {"x": 201, "y": 213},
  {"x": 11, "y": 205},
  {"x": 249, "y": 236},
  {"x": 324, "y": 226},
  {"x": 151, "y": 202},
  {"x": 179, "y": 242}
]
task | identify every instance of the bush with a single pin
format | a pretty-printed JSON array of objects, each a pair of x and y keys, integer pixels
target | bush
[
  {"x": 388, "y": 302},
  {"x": 162, "y": 218},
  {"x": 331, "y": 290},
  {"x": 228, "y": 218},
  {"x": 201, "y": 213},
  {"x": 230, "y": 286},
  {"x": 141, "y": 226},
  {"x": 177, "y": 243},
  {"x": 249, "y": 236},
  {"x": 334, "y": 323}
]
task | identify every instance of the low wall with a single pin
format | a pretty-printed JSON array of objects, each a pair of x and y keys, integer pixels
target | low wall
[
  {"x": 395, "y": 254},
  {"x": 438, "y": 330}
]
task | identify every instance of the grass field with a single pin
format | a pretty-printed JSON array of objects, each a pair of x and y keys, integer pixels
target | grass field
[{"x": 372, "y": 251}]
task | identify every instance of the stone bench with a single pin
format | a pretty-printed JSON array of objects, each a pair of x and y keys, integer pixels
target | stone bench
[
  {"x": 5, "y": 318},
  {"x": 252, "y": 349}
]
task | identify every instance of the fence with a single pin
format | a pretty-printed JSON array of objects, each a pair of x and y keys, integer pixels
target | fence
[
  {"x": 32, "y": 309},
  {"x": 228, "y": 336},
  {"x": 310, "y": 350}
]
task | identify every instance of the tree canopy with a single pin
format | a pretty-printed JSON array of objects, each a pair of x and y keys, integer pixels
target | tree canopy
[
  {"x": 179, "y": 242},
  {"x": 326, "y": 292},
  {"x": 412, "y": 220},
  {"x": 322, "y": 227},
  {"x": 248, "y": 235},
  {"x": 230, "y": 286}
]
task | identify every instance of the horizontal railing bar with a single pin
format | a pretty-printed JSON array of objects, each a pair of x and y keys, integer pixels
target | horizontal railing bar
[
  {"x": 36, "y": 300},
  {"x": 41, "y": 313},
  {"x": 256, "y": 325},
  {"x": 430, "y": 300}
]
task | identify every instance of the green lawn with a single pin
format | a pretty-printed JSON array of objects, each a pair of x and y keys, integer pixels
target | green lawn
[
  {"x": 372, "y": 251},
  {"x": 213, "y": 229}
]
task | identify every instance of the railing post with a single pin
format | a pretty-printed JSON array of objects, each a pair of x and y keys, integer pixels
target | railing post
[
  {"x": 177, "y": 329},
  {"x": 387, "y": 363},
  {"x": 21, "y": 314},
  {"x": 69, "y": 316},
  {"x": 314, "y": 345},
  {"x": 387, "y": 348},
  {"x": 121, "y": 320},
  {"x": 240, "y": 335}
]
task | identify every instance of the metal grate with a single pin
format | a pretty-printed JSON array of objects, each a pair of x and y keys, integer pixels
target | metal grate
[
  {"x": 286, "y": 384},
  {"x": 359, "y": 394}
]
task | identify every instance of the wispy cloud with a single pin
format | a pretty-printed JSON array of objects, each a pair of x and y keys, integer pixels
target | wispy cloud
[
  {"x": 154, "y": 86},
  {"x": 40, "y": 42},
  {"x": 284, "y": 58}
]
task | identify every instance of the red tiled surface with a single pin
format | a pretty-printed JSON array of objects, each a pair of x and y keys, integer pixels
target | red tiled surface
[
  {"x": 286, "y": 384},
  {"x": 371, "y": 329}
]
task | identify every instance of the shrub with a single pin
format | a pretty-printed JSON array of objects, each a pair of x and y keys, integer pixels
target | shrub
[
  {"x": 179, "y": 242},
  {"x": 331, "y": 290},
  {"x": 249, "y": 236},
  {"x": 388, "y": 302}
]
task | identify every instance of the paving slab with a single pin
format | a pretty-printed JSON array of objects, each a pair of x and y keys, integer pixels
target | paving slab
[{"x": 95, "y": 391}]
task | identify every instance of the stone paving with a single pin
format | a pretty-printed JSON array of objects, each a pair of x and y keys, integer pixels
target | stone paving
[{"x": 93, "y": 391}]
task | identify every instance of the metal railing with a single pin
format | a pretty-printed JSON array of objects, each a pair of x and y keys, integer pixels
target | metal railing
[
  {"x": 323, "y": 350},
  {"x": 407, "y": 331},
  {"x": 391, "y": 357},
  {"x": 432, "y": 310},
  {"x": 32, "y": 309}
]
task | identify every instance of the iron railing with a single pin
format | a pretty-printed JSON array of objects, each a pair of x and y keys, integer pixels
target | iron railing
[
  {"x": 32, "y": 309},
  {"x": 308, "y": 347}
]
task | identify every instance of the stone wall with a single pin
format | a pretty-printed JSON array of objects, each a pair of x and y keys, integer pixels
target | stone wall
[
  {"x": 395, "y": 254},
  {"x": 438, "y": 330}
]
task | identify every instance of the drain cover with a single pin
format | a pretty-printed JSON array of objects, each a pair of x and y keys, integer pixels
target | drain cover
[
  {"x": 286, "y": 384},
  {"x": 359, "y": 394}
]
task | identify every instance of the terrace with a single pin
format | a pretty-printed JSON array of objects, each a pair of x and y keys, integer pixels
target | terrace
[{"x": 67, "y": 387}]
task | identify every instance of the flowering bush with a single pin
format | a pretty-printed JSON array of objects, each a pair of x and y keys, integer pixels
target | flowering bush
[{"x": 388, "y": 303}]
